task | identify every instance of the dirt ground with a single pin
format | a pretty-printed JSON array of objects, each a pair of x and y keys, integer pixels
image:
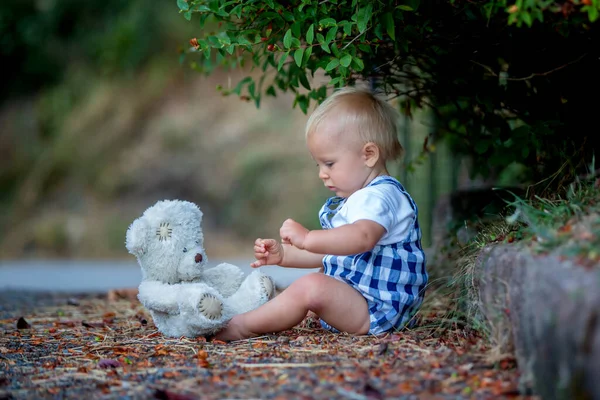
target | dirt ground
[{"x": 87, "y": 346}]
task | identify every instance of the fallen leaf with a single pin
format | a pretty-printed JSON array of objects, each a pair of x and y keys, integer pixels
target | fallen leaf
[
  {"x": 168, "y": 395},
  {"x": 372, "y": 392},
  {"x": 108, "y": 363},
  {"x": 22, "y": 324},
  {"x": 381, "y": 349}
]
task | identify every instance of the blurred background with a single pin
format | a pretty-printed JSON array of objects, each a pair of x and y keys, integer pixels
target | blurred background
[{"x": 99, "y": 120}]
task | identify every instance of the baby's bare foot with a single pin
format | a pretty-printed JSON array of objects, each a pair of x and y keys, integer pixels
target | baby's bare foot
[{"x": 234, "y": 330}]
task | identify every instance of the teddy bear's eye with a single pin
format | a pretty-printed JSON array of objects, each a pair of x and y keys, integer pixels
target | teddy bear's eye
[
  {"x": 197, "y": 242},
  {"x": 184, "y": 250},
  {"x": 164, "y": 231}
]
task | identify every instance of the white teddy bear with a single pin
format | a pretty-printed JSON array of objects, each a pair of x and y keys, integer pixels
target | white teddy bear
[{"x": 185, "y": 297}]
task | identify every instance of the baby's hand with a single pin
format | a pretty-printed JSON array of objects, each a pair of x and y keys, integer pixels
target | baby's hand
[
  {"x": 293, "y": 233},
  {"x": 267, "y": 252}
]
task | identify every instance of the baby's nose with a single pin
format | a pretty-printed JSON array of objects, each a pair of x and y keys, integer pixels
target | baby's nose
[{"x": 198, "y": 258}]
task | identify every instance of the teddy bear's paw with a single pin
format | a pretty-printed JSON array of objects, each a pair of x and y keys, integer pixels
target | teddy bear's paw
[
  {"x": 210, "y": 306},
  {"x": 267, "y": 286}
]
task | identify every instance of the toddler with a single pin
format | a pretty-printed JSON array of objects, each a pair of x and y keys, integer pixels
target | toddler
[{"x": 373, "y": 266}]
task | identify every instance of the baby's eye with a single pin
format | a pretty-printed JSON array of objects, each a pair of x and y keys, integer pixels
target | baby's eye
[
  {"x": 184, "y": 250},
  {"x": 329, "y": 164}
]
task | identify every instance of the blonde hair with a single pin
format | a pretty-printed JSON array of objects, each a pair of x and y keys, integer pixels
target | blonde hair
[{"x": 373, "y": 118}]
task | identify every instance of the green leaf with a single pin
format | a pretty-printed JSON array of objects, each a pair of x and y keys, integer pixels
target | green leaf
[
  {"x": 332, "y": 64},
  {"x": 593, "y": 13},
  {"x": 347, "y": 25},
  {"x": 287, "y": 39},
  {"x": 282, "y": 60},
  {"x": 363, "y": 18},
  {"x": 224, "y": 39},
  {"x": 324, "y": 46},
  {"x": 237, "y": 11},
  {"x": 388, "y": 22},
  {"x": 310, "y": 34},
  {"x": 327, "y": 22},
  {"x": 304, "y": 80},
  {"x": 298, "y": 56},
  {"x": 346, "y": 60},
  {"x": 358, "y": 64},
  {"x": 238, "y": 88},
  {"x": 288, "y": 16},
  {"x": 296, "y": 29},
  {"x": 187, "y": 15},
  {"x": 271, "y": 91},
  {"x": 405, "y": 8},
  {"x": 335, "y": 50},
  {"x": 527, "y": 18},
  {"x": 331, "y": 35},
  {"x": 243, "y": 40},
  {"x": 335, "y": 81},
  {"x": 378, "y": 31},
  {"x": 307, "y": 53},
  {"x": 481, "y": 147},
  {"x": 302, "y": 101},
  {"x": 183, "y": 5},
  {"x": 202, "y": 8}
]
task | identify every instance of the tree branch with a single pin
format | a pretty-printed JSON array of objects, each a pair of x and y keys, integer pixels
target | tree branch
[{"x": 526, "y": 78}]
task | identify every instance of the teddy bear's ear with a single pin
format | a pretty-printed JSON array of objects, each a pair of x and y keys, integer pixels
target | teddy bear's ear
[{"x": 136, "y": 237}]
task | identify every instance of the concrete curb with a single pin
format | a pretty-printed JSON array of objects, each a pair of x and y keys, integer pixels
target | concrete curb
[{"x": 548, "y": 311}]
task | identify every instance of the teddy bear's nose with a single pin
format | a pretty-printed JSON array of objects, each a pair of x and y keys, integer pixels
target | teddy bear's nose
[{"x": 198, "y": 258}]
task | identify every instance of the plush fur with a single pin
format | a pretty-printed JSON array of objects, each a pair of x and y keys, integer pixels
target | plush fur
[{"x": 185, "y": 297}]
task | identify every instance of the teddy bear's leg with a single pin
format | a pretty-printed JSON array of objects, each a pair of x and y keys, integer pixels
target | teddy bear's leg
[
  {"x": 202, "y": 301},
  {"x": 256, "y": 290},
  {"x": 203, "y": 310},
  {"x": 268, "y": 286},
  {"x": 210, "y": 306}
]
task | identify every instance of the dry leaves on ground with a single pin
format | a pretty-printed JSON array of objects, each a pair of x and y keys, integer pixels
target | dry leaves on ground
[{"x": 89, "y": 347}]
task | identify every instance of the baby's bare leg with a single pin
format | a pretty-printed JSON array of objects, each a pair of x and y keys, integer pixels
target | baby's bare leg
[{"x": 337, "y": 303}]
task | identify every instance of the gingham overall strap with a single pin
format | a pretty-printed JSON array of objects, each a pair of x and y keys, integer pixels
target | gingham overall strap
[{"x": 329, "y": 210}]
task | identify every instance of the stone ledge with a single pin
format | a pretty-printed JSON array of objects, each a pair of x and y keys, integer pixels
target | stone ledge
[{"x": 547, "y": 311}]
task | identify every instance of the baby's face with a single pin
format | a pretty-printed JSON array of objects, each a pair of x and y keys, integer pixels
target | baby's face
[{"x": 339, "y": 156}]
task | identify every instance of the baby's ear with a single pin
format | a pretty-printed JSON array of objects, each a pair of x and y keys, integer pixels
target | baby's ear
[
  {"x": 136, "y": 237},
  {"x": 371, "y": 154}
]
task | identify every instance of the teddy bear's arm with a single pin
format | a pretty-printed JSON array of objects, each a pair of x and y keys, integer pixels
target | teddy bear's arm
[
  {"x": 225, "y": 277},
  {"x": 159, "y": 296}
]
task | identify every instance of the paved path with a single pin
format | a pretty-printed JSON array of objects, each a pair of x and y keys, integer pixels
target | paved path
[{"x": 100, "y": 276}]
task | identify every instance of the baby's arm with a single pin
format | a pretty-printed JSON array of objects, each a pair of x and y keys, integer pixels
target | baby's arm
[
  {"x": 349, "y": 239},
  {"x": 272, "y": 252},
  {"x": 294, "y": 257}
]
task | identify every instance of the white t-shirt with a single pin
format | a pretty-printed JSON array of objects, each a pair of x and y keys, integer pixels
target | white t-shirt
[{"x": 382, "y": 203}]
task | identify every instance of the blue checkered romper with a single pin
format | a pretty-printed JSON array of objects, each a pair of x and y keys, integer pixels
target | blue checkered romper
[{"x": 391, "y": 277}]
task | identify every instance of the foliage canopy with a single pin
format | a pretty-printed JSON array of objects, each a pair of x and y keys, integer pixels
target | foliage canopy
[{"x": 507, "y": 82}]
